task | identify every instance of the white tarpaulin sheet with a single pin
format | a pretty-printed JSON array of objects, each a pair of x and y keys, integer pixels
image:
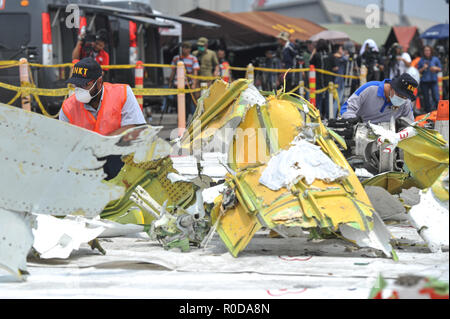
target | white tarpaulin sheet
[{"x": 136, "y": 267}]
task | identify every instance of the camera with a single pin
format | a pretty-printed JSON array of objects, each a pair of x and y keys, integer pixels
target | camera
[{"x": 88, "y": 43}]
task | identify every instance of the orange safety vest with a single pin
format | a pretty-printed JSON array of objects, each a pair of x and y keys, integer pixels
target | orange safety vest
[{"x": 109, "y": 116}]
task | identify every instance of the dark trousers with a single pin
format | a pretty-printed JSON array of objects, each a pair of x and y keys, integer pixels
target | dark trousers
[
  {"x": 322, "y": 104},
  {"x": 430, "y": 102},
  {"x": 190, "y": 106}
]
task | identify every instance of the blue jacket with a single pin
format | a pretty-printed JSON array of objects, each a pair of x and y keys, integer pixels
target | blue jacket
[
  {"x": 287, "y": 56},
  {"x": 427, "y": 75}
]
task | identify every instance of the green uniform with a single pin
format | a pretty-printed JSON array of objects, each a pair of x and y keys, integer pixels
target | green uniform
[{"x": 208, "y": 61}]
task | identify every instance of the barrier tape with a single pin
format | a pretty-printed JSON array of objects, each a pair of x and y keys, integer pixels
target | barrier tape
[
  {"x": 31, "y": 90},
  {"x": 157, "y": 91},
  {"x": 281, "y": 70},
  {"x": 338, "y": 75},
  {"x": 201, "y": 77},
  {"x": 12, "y": 63}
]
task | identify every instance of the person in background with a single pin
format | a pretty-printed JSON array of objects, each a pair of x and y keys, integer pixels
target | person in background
[
  {"x": 429, "y": 66},
  {"x": 88, "y": 46},
  {"x": 341, "y": 65},
  {"x": 399, "y": 62},
  {"x": 192, "y": 67},
  {"x": 270, "y": 80},
  {"x": 369, "y": 55},
  {"x": 209, "y": 63},
  {"x": 378, "y": 101},
  {"x": 288, "y": 53},
  {"x": 322, "y": 58},
  {"x": 224, "y": 65}
]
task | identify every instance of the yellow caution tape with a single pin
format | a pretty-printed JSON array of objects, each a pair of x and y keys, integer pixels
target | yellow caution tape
[
  {"x": 235, "y": 68},
  {"x": 62, "y": 65},
  {"x": 154, "y": 65},
  {"x": 43, "y": 110},
  {"x": 338, "y": 75},
  {"x": 14, "y": 98},
  {"x": 31, "y": 90},
  {"x": 281, "y": 70},
  {"x": 156, "y": 91},
  {"x": 201, "y": 77},
  {"x": 9, "y": 63},
  {"x": 13, "y": 63}
]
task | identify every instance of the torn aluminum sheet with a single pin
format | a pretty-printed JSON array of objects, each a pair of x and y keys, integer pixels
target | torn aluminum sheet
[
  {"x": 320, "y": 206},
  {"x": 378, "y": 237},
  {"x": 224, "y": 109},
  {"x": 57, "y": 238},
  {"x": 151, "y": 176},
  {"x": 431, "y": 216},
  {"x": 301, "y": 160},
  {"x": 46, "y": 162},
  {"x": 362, "y": 173},
  {"x": 167, "y": 204},
  {"x": 16, "y": 240},
  {"x": 185, "y": 165},
  {"x": 52, "y": 167},
  {"x": 426, "y": 154},
  {"x": 211, "y": 193},
  {"x": 212, "y": 165}
]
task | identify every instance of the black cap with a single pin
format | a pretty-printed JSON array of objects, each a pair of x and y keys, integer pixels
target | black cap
[
  {"x": 405, "y": 85},
  {"x": 85, "y": 71}
]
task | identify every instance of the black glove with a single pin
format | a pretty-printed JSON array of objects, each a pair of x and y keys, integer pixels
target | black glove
[{"x": 344, "y": 123}]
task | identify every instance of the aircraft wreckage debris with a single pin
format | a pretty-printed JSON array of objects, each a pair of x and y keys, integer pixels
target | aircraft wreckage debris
[{"x": 248, "y": 160}]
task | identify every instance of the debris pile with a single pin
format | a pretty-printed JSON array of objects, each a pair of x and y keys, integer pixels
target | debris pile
[{"x": 248, "y": 160}]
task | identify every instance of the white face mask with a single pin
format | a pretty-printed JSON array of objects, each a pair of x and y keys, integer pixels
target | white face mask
[
  {"x": 83, "y": 95},
  {"x": 397, "y": 101}
]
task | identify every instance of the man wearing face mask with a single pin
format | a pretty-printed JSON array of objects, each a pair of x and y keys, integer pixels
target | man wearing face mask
[
  {"x": 102, "y": 107},
  {"x": 378, "y": 101},
  {"x": 209, "y": 63}
]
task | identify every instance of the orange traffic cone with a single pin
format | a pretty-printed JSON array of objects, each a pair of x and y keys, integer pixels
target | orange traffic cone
[
  {"x": 441, "y": 124},
  {"x": 418, "y": 106}
]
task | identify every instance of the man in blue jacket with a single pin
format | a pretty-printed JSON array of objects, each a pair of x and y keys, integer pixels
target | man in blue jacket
[
  {"x": 378, "y": 101},
  {"x": 428, "y": 67},
  {"x": 288, "y": 54}
]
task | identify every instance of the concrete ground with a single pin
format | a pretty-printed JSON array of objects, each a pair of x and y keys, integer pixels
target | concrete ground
[
  {"x": 169, "y": 122},
  {"x": 269, "y": 269}
]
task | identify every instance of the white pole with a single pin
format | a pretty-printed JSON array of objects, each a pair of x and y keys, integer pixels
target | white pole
[
  {"x": 181, "y": 98},
  {"x": 24, "y": 81},
  {"x": 330, "y": 101}
]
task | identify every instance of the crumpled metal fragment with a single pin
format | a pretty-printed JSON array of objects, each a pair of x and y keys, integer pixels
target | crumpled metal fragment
[{"x": 267, "y": 129}]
